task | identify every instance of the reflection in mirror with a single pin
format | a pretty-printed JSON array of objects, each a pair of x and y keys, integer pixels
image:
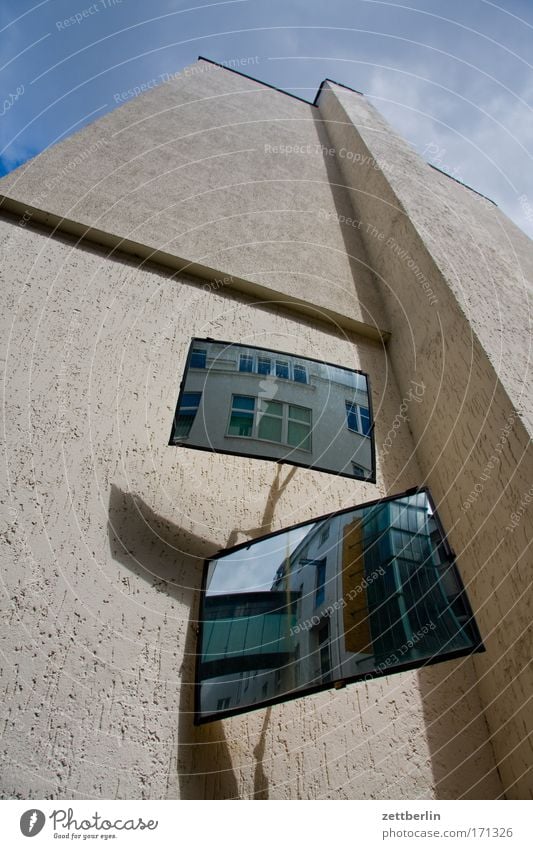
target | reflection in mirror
[
  {"x": 239, "y": 399},
  {"x": 361, "y": 593}
]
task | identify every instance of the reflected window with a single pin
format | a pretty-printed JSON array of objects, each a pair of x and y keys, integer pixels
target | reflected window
[
  {"x": 269, "y": 631},
  {"x": 263, "y": 365},
  {"x": 324, "y": 655},
  {"x": 320, "y": 591},
  {"x": 358, "y": 418},
  {"x": 246, "y": 363},
  {"x": 187, "y": 412},
  {"x": 282, "y": 369},
  {"x": 198, "y": 358},
  {"x": 300, "y": 373},
  {"x": 299, "y": 427},
  {"x": 270, "y": 420},
  {"x": 242, "y": 416}
]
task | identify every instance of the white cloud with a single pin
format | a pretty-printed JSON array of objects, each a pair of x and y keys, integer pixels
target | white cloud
[{"x": 479, "y": 133}]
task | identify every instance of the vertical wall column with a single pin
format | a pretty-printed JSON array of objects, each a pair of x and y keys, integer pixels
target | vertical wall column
[{"x": 429, "y": 240}]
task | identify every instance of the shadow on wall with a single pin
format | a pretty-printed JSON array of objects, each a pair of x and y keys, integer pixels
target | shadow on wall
[
  {"x": 171, "y": 560},
  {"x": 277, "y": 489},
  {"x": 260, "y": 777},
  {"x": 215, "y": 761},
  {"x": 462, "y": 757}
]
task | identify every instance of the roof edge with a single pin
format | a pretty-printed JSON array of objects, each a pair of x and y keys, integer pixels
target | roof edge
[
  {"x": 255, "y": 80},
  {"x": 313, "y": 102},
  {"x": 334, "y": 82}
]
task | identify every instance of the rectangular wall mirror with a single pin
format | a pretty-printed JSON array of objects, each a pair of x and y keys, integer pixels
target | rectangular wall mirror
[
  {"x": 357, "y": 594},
  {"x": 240, "y": 399}
]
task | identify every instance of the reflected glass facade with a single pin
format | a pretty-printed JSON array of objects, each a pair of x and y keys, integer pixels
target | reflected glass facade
[{"x": 362, "y": 593}]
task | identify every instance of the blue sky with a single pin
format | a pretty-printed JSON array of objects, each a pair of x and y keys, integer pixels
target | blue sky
[{"x": 454, "y": 78}]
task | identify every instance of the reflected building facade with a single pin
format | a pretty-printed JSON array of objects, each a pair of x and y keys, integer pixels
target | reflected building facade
[
  {"x": 362, "y": 593},
  {"x": 241, "y": 399}
]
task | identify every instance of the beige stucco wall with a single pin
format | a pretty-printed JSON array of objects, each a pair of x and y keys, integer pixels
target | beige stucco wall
[
  {"x": 202, "y": 168},
  {"x": 471, "y": 348},
  {"x": 104, "y": 529}
]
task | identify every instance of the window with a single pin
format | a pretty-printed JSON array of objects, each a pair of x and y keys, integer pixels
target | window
[
  {"x": 323, "y": 648},
  {"x": 272, "y": 421},
  {"x": 358, "y": 418},
  {"x": 242, "y": 416},
  {"x": 320, "y": 591},
  {"x": 282, "y": 369},
  {"x": 263, "y": 365},
  {"x": 296, "y": 666},
  {"x": 186, "y": 413},
  {"x": 299, "y": 427},
  {"x": 324, "y": 535},
  {"x": 198, "y": 358},
  {"x": 364, "y": 415},
  {"x": 246, "y": 362},
  {"x": 358, "y": 470},
  {"x": 223, "y": 704},
  {"x": 300, "y": 373}
]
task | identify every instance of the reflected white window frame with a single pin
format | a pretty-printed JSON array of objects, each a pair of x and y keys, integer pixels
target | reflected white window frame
[
  {"x": 199, "y": 352},
  {"x": 259, "y": 415},
  {"x": 188, "y": 411},
  {"x": 243, "y": 411},
  {"x": 276, "y": 365},
  {"x": 354, "y": 408}
]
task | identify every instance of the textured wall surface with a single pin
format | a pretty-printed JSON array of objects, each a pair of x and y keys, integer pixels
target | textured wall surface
[
  {"x": 469, "y": 343},
  {"x": 219, "y": 170},
  {"x": 485, "y": 260},
  {"x": 104, "y": 529}
]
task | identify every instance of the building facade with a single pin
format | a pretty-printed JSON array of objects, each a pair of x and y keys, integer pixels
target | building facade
[{"x": 217, "y": 207}]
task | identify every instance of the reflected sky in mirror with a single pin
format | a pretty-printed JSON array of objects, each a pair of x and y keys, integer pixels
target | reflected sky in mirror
[{"x": 253, "y": 568}]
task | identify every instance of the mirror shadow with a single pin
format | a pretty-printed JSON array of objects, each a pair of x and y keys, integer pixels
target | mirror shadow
[{"x": 171, "y": 560}]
